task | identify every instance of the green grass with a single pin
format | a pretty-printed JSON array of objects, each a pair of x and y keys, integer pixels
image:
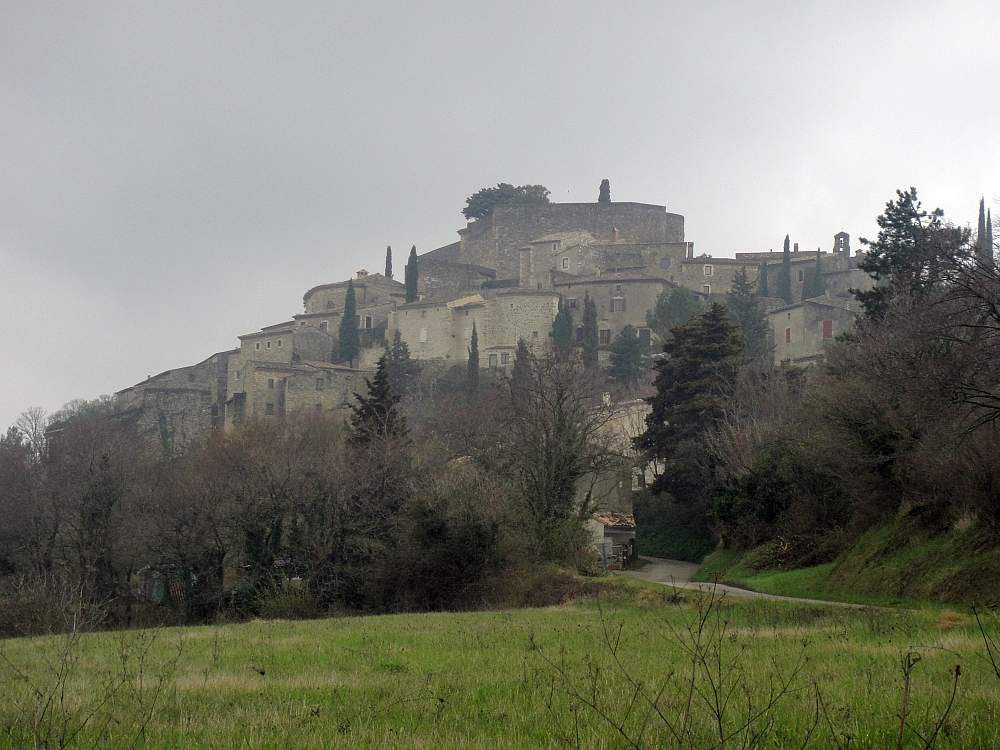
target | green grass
[
  {"x": 470, "y": 680},
  {"x": 893, "y": 565}
]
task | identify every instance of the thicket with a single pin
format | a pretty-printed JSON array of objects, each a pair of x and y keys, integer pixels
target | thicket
[{"x": 427, "y": 498}]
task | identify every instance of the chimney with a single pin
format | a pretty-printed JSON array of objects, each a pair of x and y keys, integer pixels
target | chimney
[{"x": 796, "y": 247}]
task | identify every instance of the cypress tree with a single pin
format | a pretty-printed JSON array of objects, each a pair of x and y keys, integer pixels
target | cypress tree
[
  {"x": 520, "y": 374},
  {"x": 401, "y": 367},
  {"x": 350, "y": 346},
  {"x": 989, "y": 236},
  {"x": 562, "y": 331},
  {"x": 748, "y": 314},
  {"x": 410, "y": 276},
  {"x": 984, "y": 235},
  {"x": 784, "y": 288},
  {"x": 375, "y": 416},
  {"x": 388, "y": 261},
  {"x": 590, "y": 340},
  {"x": 815, "y": 286},
  {"x": 700, "y": 362},
  {"x": 472, "y": 369},
  {"x": 628, "y": 358},
  {"x": 604, "y": 193},
  {"x": 762, "y": 284}
]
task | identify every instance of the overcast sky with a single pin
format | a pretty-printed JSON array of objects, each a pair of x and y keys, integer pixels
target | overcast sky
[{"x": 175, "y": 174}]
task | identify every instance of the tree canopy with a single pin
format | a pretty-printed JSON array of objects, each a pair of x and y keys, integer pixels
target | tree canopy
[
  {"x": 604, "y": 193},
  {"x": 375, "y": 415},
  {"x": 480, "y": 204},
  {"x": 674, "y": 307},
  {"x": 562, "y": 331},
  {"x": 629, "y": 357},
  {"x": 748, "y": 314},
  {"x": 590, "y": 340}
]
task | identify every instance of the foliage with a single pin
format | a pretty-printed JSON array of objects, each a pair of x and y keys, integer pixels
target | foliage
[
  {"x": 562, "y": 331},
  {"x": 604, "y": 193},
  {"x": 762, "y": 274},
  {"x": 783, "y": 285},
  {"x": 520, "y": 374},
  {"x": 748, "y": 314},
  {"x": 411, "y": 274},
  {"x": 667, "y": 529},
  {"x": 629, "y": 358},
  {"x": 388, "y": 261},
  {"x": 349, "y": 342},
  {"x": 472, "y": 366},
  {"x": 401, "y": 368},
  {"x": 815, "y": 285},
  {"x": 480, "y": 204},
  {"x": 376, "y": 416},
  {"x": 674, "y": 307},
  {"x": 590, "y": 341}
]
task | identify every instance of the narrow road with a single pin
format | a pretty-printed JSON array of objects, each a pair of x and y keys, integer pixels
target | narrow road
[{"x": 678, "y": 574}]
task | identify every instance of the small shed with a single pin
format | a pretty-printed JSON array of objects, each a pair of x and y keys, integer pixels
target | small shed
[{"x": 614, "y": 538}]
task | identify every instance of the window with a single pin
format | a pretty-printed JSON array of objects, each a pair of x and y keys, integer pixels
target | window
[
  {"x": 493, "y": 361},
  {"x": 319, "y": 384},
  {"x": 329, "y": 304},
  {"x": 279, "y": 343},
  {"x": 504, "y": 359},
  {"x": 618, "y": 290},
  {"x": 534, "y": 334},
  {"x": 423, "y": 335},
  {"x": 617, "y": 304},
  {"x": 257, "y": 346},
  {"x": 368, "y": 322},
  {"x": 707, "y": 288},
  {"x": 604, "y": 336},
  {"x": 324, "y": 325},
  {"x": 268, "y": 344},
  {"x": 664, "y": 263},
  {"x": 801, "y": 274},
  {"x": 237, "y": 374},
  {"x": 788, "y": 335},
  {"x": 708, "y": 270},
  {"x": 579, "y": 334},
  {"x": 555, "y": 247},
  {"x": 269, "y": 409},
  {"x": 571, "y": 303},
  {"x": 828, "y": 329},
  {"x": 565, "y": 263},
  {"x": 270, "y": 382}
]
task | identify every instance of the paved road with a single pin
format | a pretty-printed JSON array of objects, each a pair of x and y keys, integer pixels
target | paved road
[{"x": 678, "y": 574}]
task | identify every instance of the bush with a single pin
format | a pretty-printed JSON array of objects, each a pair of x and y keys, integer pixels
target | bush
[{"x": 665, "y": 528}]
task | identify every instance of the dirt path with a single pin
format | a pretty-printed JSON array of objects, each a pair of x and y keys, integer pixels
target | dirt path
[{"x": 678, "y": 574}]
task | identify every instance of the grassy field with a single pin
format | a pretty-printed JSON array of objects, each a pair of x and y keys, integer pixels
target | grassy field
[{"x": 527, "y": 678}]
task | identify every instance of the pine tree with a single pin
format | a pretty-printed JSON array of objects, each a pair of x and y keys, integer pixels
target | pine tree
[
  {"x": 784, "y": 286},
  {"x": 350, "y": 345},
  {"x": 604, "y": 194},
  {"x": 376, "y": 416},
  {"x": 562, "y": 331},
  {"x": 628, "y": 357},
  {"x": 762, "y": 283},
  {"x": 673, "y": 307},
  {"x": 701, "y": 362},
  {"x": 401, "y": 367},
  {"x": 748, "y": 314},
  {"x": 410, "y": 275},
  {"x": 520, "y": 374},
  {"x": 472, "y": 369},
  {"x": 590, "y": 340},
  {"x": 815, "y": 285},
  {"x": 909, "y": 255},
  {"x": 388, "y": 261}
]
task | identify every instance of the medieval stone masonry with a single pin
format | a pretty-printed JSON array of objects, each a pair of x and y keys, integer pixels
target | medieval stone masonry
[{"x": 505, "y": 275}]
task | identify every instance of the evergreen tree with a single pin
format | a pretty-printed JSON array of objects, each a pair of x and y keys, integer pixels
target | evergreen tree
[
  {"x": 762, "y": 283},
  {"x": 674, "y": 307},
  {"x": 909, "y": 254},
  {"x": 562, "y": 331},
  {"x": 410, "y": 275},
  {"x": 748, "y": 314},
  {"x": 350, "y": 345},
  {"x": 815, "y": 285},
  {"x": 701, "y": 362},
  {"x": 984, "y": 235},
  {"x": 604, "y": 194},
  {"x": 590, "y": 340},
  {"x": 401, "y": 367},
  {"x": 520, "y": 374},
  {"x": 472, "y": 370},
  {"x": 376, "y": 416},
  {"x": 628, "y": 357},
  {"x": 784, "y": 286},
  {"x": 388, "y": 261}
]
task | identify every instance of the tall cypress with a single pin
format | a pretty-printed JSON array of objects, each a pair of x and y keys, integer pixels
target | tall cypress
[
  {"x": 815, "y": 285},
  {"x": 590, "y": 340},
  {"x": 604, "y": 193},
  {"x": 784, "y": 289},
  {"x": 375, "y": 415},
  {"x": 562, "y": 331},
  {"x": 472, "y": 369},
  {"x": 350, "y": 345},
  {"x": 410, "y": 276},
  {"x": 762, "y": 288},
  {"x": 520, "y": 375},
  {"x": 984, "y": 234},
  {"x": 388, "y": 261}
]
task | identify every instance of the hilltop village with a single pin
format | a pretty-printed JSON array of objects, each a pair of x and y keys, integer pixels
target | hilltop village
[{"x": 505, "y": 275}]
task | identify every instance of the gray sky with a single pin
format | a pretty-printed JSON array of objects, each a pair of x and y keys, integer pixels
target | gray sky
[{"x": 175, "y": 174}]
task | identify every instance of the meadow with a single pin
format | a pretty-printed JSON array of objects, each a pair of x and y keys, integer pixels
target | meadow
[{"x": 635, "y": 666}]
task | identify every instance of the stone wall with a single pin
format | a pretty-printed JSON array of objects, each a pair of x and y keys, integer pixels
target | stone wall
[
  {"x": 447, "y": 280},
  {"x": 494, "y": 241},
  {"x": 803, "y": 331},
  {"x": 373, "y": 289},
  {"x": 621, "y": 299}
]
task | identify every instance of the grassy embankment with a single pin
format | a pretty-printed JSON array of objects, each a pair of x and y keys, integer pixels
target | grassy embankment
[
  {"x": 896, "y": 564},
  {"x": 469, "y": 680}
]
